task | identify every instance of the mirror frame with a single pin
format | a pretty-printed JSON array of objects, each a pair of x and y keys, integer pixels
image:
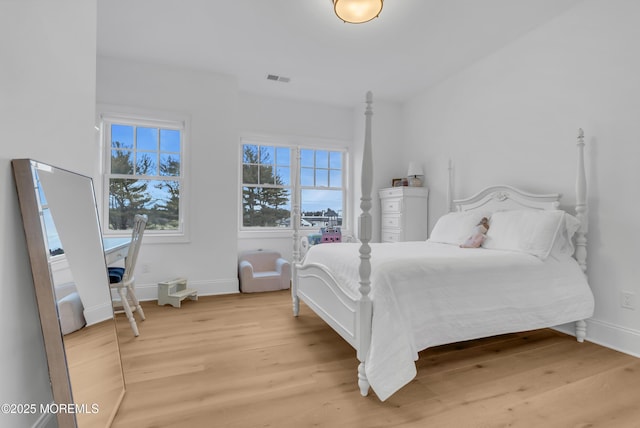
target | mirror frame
[{"x": 44, "y": 290}]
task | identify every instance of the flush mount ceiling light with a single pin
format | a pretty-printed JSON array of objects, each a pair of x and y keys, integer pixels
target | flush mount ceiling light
[{"x": 357, "y": 11}]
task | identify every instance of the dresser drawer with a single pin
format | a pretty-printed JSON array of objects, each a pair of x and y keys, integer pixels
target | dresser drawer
[
  {"x": 391, "y": 221},
  {"x": 396, "y": 192},
  {"x": 391, "y": 205},
  {"x": 390, "y": 236}
]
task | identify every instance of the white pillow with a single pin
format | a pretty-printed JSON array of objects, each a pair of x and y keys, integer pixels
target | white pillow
[
  {"x": 563, "y": 245},
  {"x": 455, "y": 227},
  {"x": 528, "y": 231}
]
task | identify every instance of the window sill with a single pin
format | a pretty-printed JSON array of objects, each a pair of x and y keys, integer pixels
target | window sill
[
  {"x": 154, "y": 239},
  {"x": 265, "y": 234},
  {"x": 279, "y": 234}
]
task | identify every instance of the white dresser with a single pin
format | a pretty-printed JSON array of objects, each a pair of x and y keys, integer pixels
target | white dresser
[{"x": 404, "y": 214}]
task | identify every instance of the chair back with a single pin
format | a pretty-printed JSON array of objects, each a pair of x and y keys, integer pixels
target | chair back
[
  {"x": 261, "y": 260},
  {"x": 139, "y": 224}
]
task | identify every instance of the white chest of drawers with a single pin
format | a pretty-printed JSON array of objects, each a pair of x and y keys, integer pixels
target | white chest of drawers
[{"x": 404, "y": 214}]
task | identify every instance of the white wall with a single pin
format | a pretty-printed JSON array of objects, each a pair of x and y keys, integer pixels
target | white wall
[
  {"x": 210, "y": 100},
  {"x": 47, "y": 101},
  {"x": 513, "y": 118}
]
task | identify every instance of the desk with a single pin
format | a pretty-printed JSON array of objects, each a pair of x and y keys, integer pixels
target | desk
[{"x": 115, "y": 249}]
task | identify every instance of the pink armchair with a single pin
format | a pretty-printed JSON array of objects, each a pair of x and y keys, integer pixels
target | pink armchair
[{"x": 263, "y": 270}]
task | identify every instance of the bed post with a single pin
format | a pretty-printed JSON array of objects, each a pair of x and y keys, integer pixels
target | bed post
[
  {"x": 295, "y": 205},
  {"x": 363, "y": 326},
  {"x": 450, "y": 187},
  {"x": 581, "y": 206},
  {"x": 582, "y": 215}
]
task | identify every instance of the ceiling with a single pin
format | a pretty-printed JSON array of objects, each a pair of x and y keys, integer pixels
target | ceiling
[{"x": 413, "y": 45}]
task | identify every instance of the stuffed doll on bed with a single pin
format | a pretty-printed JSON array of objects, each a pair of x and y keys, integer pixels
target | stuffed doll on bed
[{"x": 478, "y": 236}]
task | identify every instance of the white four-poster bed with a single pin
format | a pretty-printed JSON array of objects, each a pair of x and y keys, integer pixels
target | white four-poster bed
[{"x": 390, "y": 301}]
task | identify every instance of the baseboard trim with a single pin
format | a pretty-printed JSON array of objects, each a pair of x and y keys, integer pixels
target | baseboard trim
[
  {"x": 146, "y": 292},
  {"x": 613, "y": 336},
  {"x": 616, "y": 337},
  {"x": 99, "y": 313}
]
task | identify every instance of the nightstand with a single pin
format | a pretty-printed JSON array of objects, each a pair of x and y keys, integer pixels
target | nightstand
[{"x": 404, "y": 214}]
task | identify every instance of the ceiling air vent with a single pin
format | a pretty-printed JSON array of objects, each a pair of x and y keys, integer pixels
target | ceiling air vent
[{"x": 278, "y": 78}]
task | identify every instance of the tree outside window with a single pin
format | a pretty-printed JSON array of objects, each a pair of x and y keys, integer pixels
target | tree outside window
[
  {"x": 266, "y": 190},
  {"x": 267, "y": 186},
  {"x": 144, "y": 176}
]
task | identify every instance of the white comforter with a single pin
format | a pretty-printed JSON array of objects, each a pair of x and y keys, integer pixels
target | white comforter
[{"x": 426, "y": 294}]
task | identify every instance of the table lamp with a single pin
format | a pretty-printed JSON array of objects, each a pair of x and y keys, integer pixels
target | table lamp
[{"x": 415, "y": 170}]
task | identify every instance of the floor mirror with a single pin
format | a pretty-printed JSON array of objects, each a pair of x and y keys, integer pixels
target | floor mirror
[{"x": 66, "y": 252}]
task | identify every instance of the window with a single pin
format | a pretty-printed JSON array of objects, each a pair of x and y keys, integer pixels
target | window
[
  {"x": 266, "y": 188},
  {"x": 144, "y": 174},
  {"x": 321, "y": 187},
  {"x": 268, "y": 182}
]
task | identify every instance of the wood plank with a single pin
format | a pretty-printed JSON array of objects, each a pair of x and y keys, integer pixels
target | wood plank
[
  {"x": 606, "y": 399},
  {"x": 92, "y": 355},
  {"x": 244, "y": 360}
]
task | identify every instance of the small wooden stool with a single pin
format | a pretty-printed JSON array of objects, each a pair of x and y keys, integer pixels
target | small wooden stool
[{"x": 175, "y": 291}]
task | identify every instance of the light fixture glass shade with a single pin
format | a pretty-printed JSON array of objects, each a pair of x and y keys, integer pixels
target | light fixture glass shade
[{"x": 357, "y": 11}]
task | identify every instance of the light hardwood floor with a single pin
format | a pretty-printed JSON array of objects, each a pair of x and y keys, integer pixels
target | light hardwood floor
[
  {"x": 95, "y": 372},
  {"x": 244, "y": 361}
]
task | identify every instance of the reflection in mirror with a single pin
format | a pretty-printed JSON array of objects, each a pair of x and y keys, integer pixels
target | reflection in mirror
[{"x": 72, "y": 289}]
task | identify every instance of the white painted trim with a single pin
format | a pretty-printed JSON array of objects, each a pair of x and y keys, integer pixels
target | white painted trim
[
  {"x": 214, "y": 287},
  {"x": 99, "y": 313},
  {"x": 157, "y": 118},
  {"x": 279, "y": 234},
  {"x": 616, "y": 337},
  {"x": 295, "y": 144},
  {"x": 289, "y": 140}
]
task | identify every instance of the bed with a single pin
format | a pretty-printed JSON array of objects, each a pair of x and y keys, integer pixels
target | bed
[{"x": 390, "y": 301}]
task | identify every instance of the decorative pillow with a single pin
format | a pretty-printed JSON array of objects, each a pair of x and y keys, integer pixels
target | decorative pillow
[
  {"x": 527, "y": 231},
  {"x": 563, "y": 245},
  {"x": 454, "y": 227}
]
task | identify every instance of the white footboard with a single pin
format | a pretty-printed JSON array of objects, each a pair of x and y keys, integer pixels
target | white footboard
[{"x": 315, "y": 286}]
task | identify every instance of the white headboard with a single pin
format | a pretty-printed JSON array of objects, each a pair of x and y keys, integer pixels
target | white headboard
[{"x": 503, "y": 198}]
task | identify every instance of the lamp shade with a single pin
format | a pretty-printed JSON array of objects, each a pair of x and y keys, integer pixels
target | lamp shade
[
  {"x": 414, "y": 169},
  {"x": 357, "y": 11}
]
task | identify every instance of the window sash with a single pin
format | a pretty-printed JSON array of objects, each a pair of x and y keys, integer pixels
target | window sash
[
  {"x": 331, "y": 166},
  {"x": 160, "y": 154}
]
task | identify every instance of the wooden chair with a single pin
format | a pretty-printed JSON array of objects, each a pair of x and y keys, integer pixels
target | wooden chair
[{"x": 122, "y": 279}]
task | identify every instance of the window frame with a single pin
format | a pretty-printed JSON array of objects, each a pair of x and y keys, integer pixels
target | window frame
[
  {"x": 150, "y": 119},
  {"x": 289, "y": 187},
  {"x": 294, "y": 145},
  {"x": 42, "y": 208}
]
